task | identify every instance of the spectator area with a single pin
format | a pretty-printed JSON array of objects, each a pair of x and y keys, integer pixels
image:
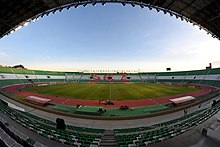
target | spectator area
[
  {"x": 9, "y": 76},
  {"x": 141, "y": 133}
]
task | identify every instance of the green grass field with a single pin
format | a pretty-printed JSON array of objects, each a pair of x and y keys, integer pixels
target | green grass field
[{"x": 118, "y": 91}]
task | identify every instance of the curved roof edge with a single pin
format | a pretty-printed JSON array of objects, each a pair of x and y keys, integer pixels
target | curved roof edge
[{"x": 204, "y": 13}]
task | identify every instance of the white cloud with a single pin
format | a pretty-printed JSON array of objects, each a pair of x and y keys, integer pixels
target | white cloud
[
  {"x": 216, "y": 64},
  {"x": 6, "y": 59},
  {"x": 195, "y": 48}
]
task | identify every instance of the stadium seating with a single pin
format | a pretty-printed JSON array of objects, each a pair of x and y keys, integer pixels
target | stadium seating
[
  {"x": 10, "y": 76},
  {"x": 84, "y": 78},
  {"x": 134, "y": 78},
  {"x": 80, "y": 136},
  {"x": 206, "y": 77},
  {"x": 143, "y": 136},
  {"x": 11, "y": 137},
  {"x": 14, "y": 76},
  {"x": 73, "y": 135}
]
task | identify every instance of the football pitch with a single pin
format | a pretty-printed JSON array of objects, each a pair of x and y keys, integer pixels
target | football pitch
[{"x": 110, "y": 91}]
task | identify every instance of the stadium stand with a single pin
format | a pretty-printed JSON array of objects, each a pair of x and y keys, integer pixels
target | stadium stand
[
  {"x": 134, "y": 78},
  {"x": 206, "y": 77},
  {"x": 82, "y": 136},
  {"x": 73, "y": 135},
  {"x": 85, "y": 78},
  {"x": 11, "y": 137},
  {"x": 142, "y": 136},
  {"x": 17, "y": 76},
  {"x": 10, "y": 76}
]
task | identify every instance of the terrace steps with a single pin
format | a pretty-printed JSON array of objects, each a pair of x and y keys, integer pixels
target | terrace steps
[{"x": 108, "y": 139}]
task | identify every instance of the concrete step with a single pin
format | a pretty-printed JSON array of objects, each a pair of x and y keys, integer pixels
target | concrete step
[
  {"x": 109, "y": 134},
  {"x": 108, "y": 139},
  {"x": 105, "y": 141},
  {"x": 113, "y": 144}
]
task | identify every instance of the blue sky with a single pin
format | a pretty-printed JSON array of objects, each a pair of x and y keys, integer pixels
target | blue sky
[{"x": 110, "y": 37}]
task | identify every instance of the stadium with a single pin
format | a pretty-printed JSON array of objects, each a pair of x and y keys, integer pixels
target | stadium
[{"x": 109, "y": 107}]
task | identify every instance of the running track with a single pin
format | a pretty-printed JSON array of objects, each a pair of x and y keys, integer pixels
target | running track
[{"x": 117, "y": 103}]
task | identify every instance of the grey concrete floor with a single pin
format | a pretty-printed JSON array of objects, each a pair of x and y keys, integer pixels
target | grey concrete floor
[
  {"x": 192, "y": 138},
  {"x": 109, "y": 124}
]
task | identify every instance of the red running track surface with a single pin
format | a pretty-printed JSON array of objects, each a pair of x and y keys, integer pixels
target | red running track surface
[{"x": 117, "y": 103}]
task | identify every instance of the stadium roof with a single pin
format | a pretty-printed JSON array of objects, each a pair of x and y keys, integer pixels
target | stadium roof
[{"x": 204, "y": 13}]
